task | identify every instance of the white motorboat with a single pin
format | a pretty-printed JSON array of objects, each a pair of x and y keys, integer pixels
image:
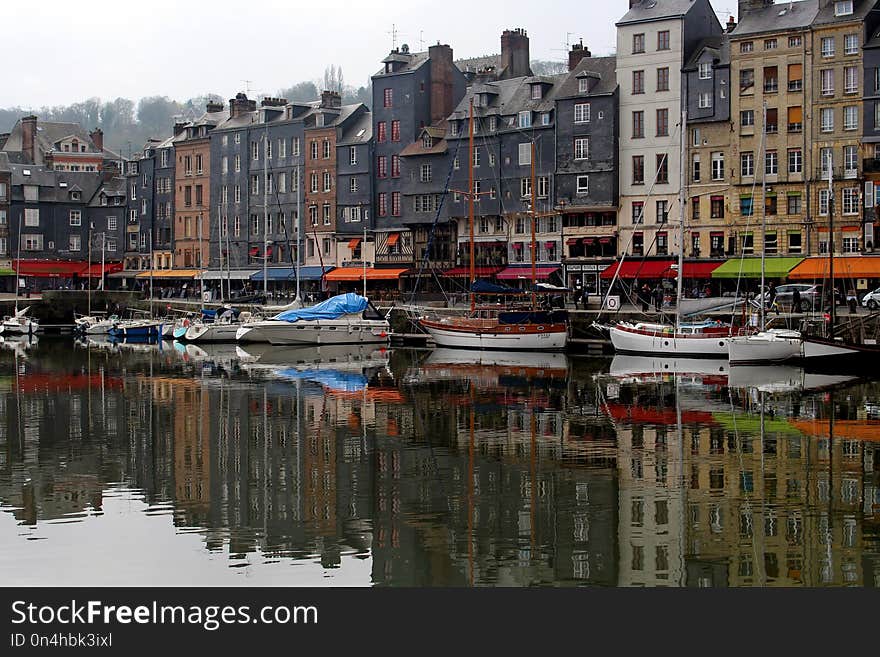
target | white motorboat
[
  {"x": 220, "y": 330},
  {"x": 770, "y": 346},
  {"x": 343, "y": 319},
  {"x": 94, "y": 325},
  {"x": 19, "y": 323},
  {"x": 699, "y": 340}
]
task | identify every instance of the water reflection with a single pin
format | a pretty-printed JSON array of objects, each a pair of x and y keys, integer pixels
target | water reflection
[{"x": 433, "y": 468}]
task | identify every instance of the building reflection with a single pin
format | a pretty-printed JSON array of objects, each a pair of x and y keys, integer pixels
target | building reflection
[{"x": 445, "y": 472}]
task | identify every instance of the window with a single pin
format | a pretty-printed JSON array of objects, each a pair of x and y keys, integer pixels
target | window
[
  {"x": 638, "y": 124},
  {"x": 582, "y": 113},
  {"x": 536, "y": 91},
  {"x": 295, "y": 146},
  {"x": 850, "y": 161},
  {"x": 843, "y": 8},
  {"x": 746, "y": 80},
  {"x": 826, "y": 161},
  {"x": 425, "y": 173},
  {"x": 491, "y": 159},
  {"x": 327, "y": 181},
  {"x": 695, "y": 168},
  {"x": 32, "y": 242},
  {"x": 224, "y": 164},
  {"x": 718, "y": 166},
  {"x": 543, "y": 186},
  {"x": 237, "y": 163},
  {"x": 695, "y": 208},
  {"x": 772, "y": 120},
  {"x": 695, "y": 137},
  {"x": 717, "y": 207},
  {"x": 111, "y": 223},
  {"x": 388, "y": 98},
  {"x": 383, "y": 204},
  {"x": 662, "y": 243},
  {"x": 493, "y": 123},
  {"x": 850, "y": 244},
  {"x": 663, "y": 40},
  {"x": 826, "y": 77},
  {"x": 851, "y": 200},
  {"x": 524, "y": 119},
  {"x": 638, "y": 82},
  {"x": 771, "y": 163},
  {"x": 353, "y": 185},
  {"x": 746, "y": 207},
  {"x": 851, "y": 80},
  {"x": 851, "y": 44},
  {"x": 663, "y": 79},
  {"x": 352, "y": 155},
  {"x": 663, "y": 122},
  {"x": 746, "y": 46},
  {"x": 771, "y": 79},
  {"x": 747, "y": 164},
  {"x": 850, "y": 117},
  {"x": 313, "y": 182},
  {"x": 823, "y": 202},
  {"x": 395, "y": 166},
  {"x": 747, "y": 118},
  {"x": 581, "y": 148},
  {"x": 662, "y": 212},
  {"x": 705, "y": 70},
  {"x": 638, "y": 43},
  {"x": 395, "y": 130},
  {"x": 662, "y": 168},
  {"x": 326, "y": 149},
  {"x": 638, "y": 244},
  {"x": 638, "y": 212},
  {"x": 165, "y": 159},
  {"x": 236, "y": 194},
  {"x": 795, "y": 77},
  {"x": 770, "y": 44},
  {"x": 381, "y": 134},
  {"x": 525, "y": 154},
  {"x": 638, "y": 170},
  {"x": 827, "y": 46},
  {"x": 827, "y": 119},
  {"x": 704, "y": 100},
  {"x": 325, "y": 213},
  {"x": 75, "y": 242},
  {"x": 476, "y": 157},
  {"x": 75, "y": 218},
  {"x": 382, "y": 166},
  {"x": 794, "y": 41},
  {"x": 31, "y": 217},
  {"x": 525, "y": 187},
  {"x": 770, "y": 204},
  {"x": 795, "y": 160},
  {"x": 583, "y": 185},
  {"x": 255, "y": 150},
  {"x": 795, "y": 119},
  {"x": 770, "y": 243},
  {"x": 794, "y": 204},
  {"x": 583, "y": 86},
  {"x": 455, "y": 163}
]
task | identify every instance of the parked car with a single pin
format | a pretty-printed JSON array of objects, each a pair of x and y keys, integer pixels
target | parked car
[
  {"x": 810, "y": 297},
  {"x": 871, "y": 300}
]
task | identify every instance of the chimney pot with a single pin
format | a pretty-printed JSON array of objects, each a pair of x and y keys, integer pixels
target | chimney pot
[{"x": 28, "y": 137}]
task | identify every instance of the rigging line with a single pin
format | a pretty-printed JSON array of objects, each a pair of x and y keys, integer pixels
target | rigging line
[
  {"x": 641, "y": 222},
  {"x": 424, "y": 262}
]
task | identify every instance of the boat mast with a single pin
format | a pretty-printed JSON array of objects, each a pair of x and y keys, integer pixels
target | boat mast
[
  {"x": 151, "y": 271},
  {"x": 266, "y": 208},
  {"x": 364, "y": 257},
  {"x": 681, "y": 210},
  {"x": 534, "y": 220},
  {"x": 88, "y": 276},
  {"x": 299, "y": 224},
  {"x": 18, "y": 263},
  {"x": 472, "y": 253},
  {"x": 831, "y": 241},
  {"x": 763, "y": 164}
]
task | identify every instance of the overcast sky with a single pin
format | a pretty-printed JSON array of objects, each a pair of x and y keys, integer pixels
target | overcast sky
[{"x": 69, "y": 51}]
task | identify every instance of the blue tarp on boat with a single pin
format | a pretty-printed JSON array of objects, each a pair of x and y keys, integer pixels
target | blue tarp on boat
[{"x": 332, "y": 308}]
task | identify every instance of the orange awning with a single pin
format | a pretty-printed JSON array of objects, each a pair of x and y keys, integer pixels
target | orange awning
[
  {"x": 349, "y": 274},
  {"x": 868, "y": 430},
  {"x": 845, "y": 267},
  {"x": 392, "y": 239},
  {"x": 354, "y": 242}
]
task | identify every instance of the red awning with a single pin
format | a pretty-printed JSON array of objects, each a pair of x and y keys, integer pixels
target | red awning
[
  {"x": 354, "y": 242},
  {"x": 549, "y": 245},
  {"x": 572, "y": 241},
  {"x": 392, "y": 238},
  {"x": 48, "y": 268},
  {"x": 464, "y": 272},
  {"x": 604, "y": 240},
  {"x": 517, "y": 245},
  {"x": 700, "y": 269},
  {"x": 642, "y": 269},
  {"x": 512, "y": 273},
  {"x": 589, "y": 240},
  {"x": 94, "y": 271}
]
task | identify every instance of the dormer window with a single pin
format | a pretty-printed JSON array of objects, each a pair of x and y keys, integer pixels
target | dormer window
[
  {"x": 453, "y": 128},
  {"x": 103, "y": 199},
  {"x": 537, "y": 92},
  {"x": 428, "y": 141},
  {"x": 319, "y": 120},
  {"x": 66, "y": 148},
  {"x": 75, "y": 196},
  {"x": 524, "y": 119},
  {"x": 844, "y": 8},
  {"x": 82, "y": 148},
  {"x": 583, "y": 85},
  {"x": 493, "y": 123}
]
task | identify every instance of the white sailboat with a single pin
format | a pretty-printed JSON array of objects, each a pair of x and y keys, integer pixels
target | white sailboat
[
  {"x": 707, "y": 339},
  {"x": 773, "y": 345},
  {"x": 19, "y": 323}
]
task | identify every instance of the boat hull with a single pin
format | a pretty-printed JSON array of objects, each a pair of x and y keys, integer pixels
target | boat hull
[
  {"x": 831, "y": 355},
  {"x": 765, "y": 347},
  {"x": 513, "y": 337},
  {"x": 139, "y": 331},
  {"x": 212, "y": 332},
  {"x": 28, "y": 327},
  {"x": 629, "y": 341},
  {"x": 317, "y": 332}
]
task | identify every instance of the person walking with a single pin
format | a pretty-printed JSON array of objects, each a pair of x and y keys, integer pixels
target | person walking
[
  {"x": 658, "y": 297},
  {"x": 645, "y": 297},
  {"x": 796, "y": 300}
]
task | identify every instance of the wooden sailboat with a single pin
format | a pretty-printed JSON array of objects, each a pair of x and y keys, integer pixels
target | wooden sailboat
[{"x": 513, "y": 329}]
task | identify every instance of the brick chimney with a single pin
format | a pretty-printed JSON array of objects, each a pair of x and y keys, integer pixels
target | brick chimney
[
  {"x": 273, "y": 102},
  {"x": 213, "y": 106},
  {"x": 515, "y": 53},
  {"x": 576, "y": 54},
  {"x": 240, "y": 104},
  {"x": 28, "y": 137},
  {"x": 97, "y": 137},
  {"x": 442, "y": 87},
  {"x": 745, "y": 6},
  {"x": 330, "y": 99},
  {"x": 633, "y": 3},
  {"x": 731, "y": 25}
]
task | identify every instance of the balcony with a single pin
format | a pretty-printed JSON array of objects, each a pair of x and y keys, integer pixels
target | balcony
[
  {"x": 837, "y": 173},
  {"x": 795, "y": 127}
]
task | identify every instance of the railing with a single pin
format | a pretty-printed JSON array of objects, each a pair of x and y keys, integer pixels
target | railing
[
  {"x": 771, "y": 86},
  {"x": 795, "y": 127},
  {"x": 796, "y": 85}
]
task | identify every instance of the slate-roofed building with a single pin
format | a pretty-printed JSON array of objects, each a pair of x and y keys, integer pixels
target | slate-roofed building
[
  {"x": 5, "y": 191},
  {"x": 61, "y": 146},
  {"x": 107, "y": 214},
  {"x": 412, "y": 91},
  {"x": 354, "y": 190},
  {"x": 587, "y": 193}
]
